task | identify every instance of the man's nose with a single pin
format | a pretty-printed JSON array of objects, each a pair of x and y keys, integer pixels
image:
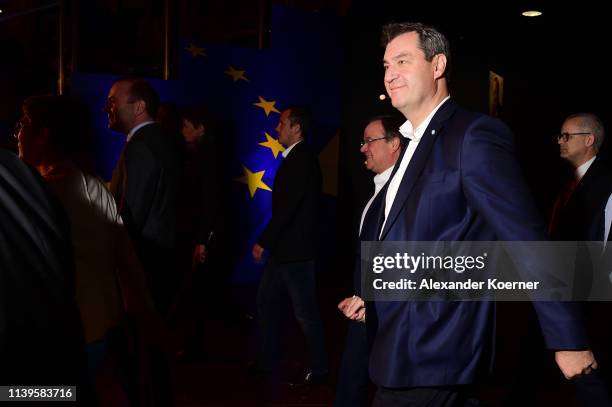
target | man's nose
[{"x": 390, "y": 75}]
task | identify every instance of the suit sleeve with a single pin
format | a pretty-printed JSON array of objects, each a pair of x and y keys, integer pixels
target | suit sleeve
[
  {"x": 300, "y": 177},
  {"x": 143, "y": 174},
  {"x": 493, "y": 184}
]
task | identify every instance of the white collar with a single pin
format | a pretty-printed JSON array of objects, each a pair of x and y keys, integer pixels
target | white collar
[
  {"x": 380, "y": 179},
  {"x": 286, "y": 152},
  {"x": 580, "y": 171},
  {"x": 415, "y": 134},
  {"x": 135, "y": 129}
]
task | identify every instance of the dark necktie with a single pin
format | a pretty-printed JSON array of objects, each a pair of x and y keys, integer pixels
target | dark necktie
[{"x": 560, "y": 204}]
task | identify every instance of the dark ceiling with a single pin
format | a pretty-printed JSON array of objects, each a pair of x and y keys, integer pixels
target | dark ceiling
[{"x": 558, "y": 58}]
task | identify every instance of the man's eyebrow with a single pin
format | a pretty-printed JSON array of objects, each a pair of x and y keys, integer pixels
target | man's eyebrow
[{"x": 399, "y": 56}]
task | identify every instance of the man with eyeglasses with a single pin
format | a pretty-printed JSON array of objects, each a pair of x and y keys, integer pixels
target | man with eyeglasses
[
  {"x": 583, "y": 212},
  {"x": 583, "y": 208},
  {"x": 382, "y": 145}
]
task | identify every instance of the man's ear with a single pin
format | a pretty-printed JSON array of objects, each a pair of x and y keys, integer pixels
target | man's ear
[
  {"x": 589, "y": 140},
  {"x": 296, "y": 128},
  {"x": 439, "y": 64},
  {"x": 141, "y": 107},
  {"x": 396, "y": 144}
]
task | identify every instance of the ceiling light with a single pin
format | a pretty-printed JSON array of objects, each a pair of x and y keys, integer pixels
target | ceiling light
[{"x": 531, "y": 13}]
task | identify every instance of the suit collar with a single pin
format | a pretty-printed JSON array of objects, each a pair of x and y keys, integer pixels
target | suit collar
[
  {"x": 135, "y": 129},
  {"x": 287, "y": 150},
  {"x": 581, "y": 170},
  {"x": 418, "y": 161},
  {"x": 592, "y": 172}
]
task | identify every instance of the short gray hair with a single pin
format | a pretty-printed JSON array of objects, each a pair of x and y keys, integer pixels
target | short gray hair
[{"x": 591, "y": 123}]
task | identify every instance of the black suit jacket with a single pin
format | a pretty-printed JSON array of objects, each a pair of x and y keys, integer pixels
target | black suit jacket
[
  {"x": 145, "y": 184},
  {"x": 583, "y": 216},
  {"x": 291, "y": 234},
  {"x": 582, "y": 219}
]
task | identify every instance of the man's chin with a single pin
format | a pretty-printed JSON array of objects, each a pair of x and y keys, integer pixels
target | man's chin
[{"x": 116, "y": 127}]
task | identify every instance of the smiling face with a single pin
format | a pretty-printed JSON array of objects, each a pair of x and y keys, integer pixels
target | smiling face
[
  {"x": 410, "y": 80},
  {"x": 379, "y": 152}
]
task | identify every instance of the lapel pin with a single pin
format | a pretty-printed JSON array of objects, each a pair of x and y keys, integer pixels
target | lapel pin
[{"x": 433, "y": 132}]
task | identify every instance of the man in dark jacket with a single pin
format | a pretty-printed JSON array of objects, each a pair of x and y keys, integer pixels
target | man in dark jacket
[
  {"x": 291, "y": 239},
  {"x": 145, "y": 183}
]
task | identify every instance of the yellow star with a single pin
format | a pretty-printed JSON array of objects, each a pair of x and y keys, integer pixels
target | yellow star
[
  {"x": 236, "y": 74},
  {"x": 196, "y": 51},
  {"x": 253, "y": 180},
  {"x": 267, "y": 106},
  {"x": 272, "y": 144}
]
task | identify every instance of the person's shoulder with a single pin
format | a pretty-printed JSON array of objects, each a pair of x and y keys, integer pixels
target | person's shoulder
[
  {"x": 18, "y": 170},
  {"x": 473, "y": 120},
  {"x": 10, "y": 159},
  {"x": 100, "y": 198},
  {"x": 303, "y": 150}
]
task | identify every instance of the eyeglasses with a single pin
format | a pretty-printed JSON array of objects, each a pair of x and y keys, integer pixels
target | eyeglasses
[
  {"x": 370, "y": 140},
  {"x": 566, "y": 136}
]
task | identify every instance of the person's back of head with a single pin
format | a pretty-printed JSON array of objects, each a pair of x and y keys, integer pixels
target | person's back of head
[{"x": 63, "y": 128}]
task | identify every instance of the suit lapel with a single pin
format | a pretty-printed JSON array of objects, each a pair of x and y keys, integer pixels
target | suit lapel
[{"x": 417, "y": 162}]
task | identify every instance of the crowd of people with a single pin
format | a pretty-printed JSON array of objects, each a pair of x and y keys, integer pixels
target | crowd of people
[{"x": 92, "y": 274}]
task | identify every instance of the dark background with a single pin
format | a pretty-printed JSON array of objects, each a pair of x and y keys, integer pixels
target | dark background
[{"x": 553, "y": 65}]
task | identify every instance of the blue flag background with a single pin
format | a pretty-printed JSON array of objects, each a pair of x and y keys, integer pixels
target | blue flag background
[{"x": 244, "y": 90}]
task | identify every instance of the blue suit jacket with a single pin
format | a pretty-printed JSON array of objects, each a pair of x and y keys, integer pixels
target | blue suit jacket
[{"x": 463, "y": 183}]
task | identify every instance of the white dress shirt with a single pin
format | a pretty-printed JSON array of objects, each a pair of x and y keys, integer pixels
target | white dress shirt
[
  {"x": 286, "y": 151},
  {"x": 415, "y": 136},
  {"x": 379, "y": 182}
]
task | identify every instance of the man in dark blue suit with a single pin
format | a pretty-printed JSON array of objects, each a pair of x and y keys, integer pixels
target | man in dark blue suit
[
  {"x": 382, "y": 145},
  {"x": 458, "y": 180}
]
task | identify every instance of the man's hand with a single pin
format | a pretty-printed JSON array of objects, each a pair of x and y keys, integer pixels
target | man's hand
[
  {"x": 257, "y": 252},
  {"x": 353, "y": 308},
  {"x": 575, "y": 363}
]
